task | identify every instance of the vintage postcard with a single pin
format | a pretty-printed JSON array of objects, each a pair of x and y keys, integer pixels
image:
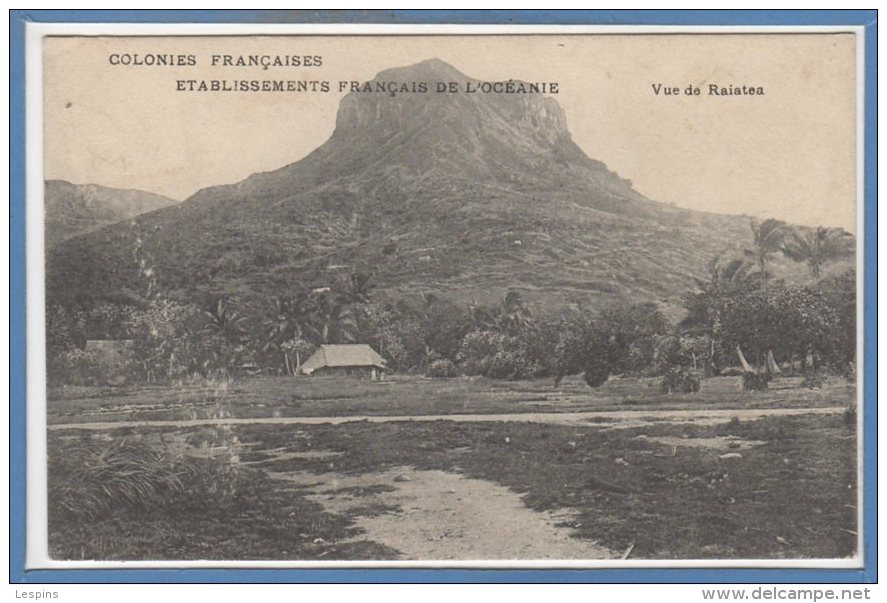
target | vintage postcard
[{"x": 479, "y": 297}]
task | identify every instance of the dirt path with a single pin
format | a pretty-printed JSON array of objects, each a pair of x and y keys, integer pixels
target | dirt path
[
  {"x": 435, "y": 515},
  {"x": 608, "y": 419}
]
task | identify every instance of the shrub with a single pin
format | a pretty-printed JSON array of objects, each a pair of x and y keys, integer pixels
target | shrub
[
  {"x": 496, "y": 355},
  {"x": 74, "y": 367},
  {"x": 684, "y": 350},
  {"x": 596, "y": 374},
  {"x": 442, "y": 369},
  {"x": 679, "y": 379},
  {"x": 850, "y": 416},
  {"x": 89, "y": 481},
  {"x": 171, "y": 342},
  {"x": 752, "y": 382},
  {"x": 632, "y": 332},
  {"x": 813, "y": 380},
  {"x": 79, "y": 367}
]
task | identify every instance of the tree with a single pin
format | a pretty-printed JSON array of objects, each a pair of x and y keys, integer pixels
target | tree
[
  {"x": 572, "y": 334},
  {"x": 790, "y": 321},
  {"x": 631, "y": 333},
  {"x": 482, "y": 318},
  {"x": 403, "y": 344},
  {"x": 223, "y": 320},
  {"x": 224, "y": 336},
  {"x": 513, "y": 315},
  {"x": 358, "y": 288},
  {"x": 510, "y": 316},
  {"x": 583, "y": 345},
  {"x": 768, "y": 238},
  {"x": 299, "y": 348},
  {"x": 680, "y": 350},
  {"x": 496, "y": 355},
  {"x": 444, "y": 324},
  {"x": 817, "y": 246},
  {"x": 105, "y": 320},
  {"x": 170, "y": 340},
  {"x": 839, "y": 292},
  {"x": 727, "y": 276},
  {"x": 65, "y": 329},
  {"x": 287, "y": 319},
  {"x": 395, "y": 329},
  {"x": 332, "y": 321},
  {"x": 600, "y": 359}
]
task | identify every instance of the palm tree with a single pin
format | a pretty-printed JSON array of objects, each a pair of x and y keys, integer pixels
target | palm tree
[
  {"x": 288, "y": 321},
  {"x": 769, "y": 236},
  {"x": 513, "y": 314},
  {"x": 728, "y": 273},
  {"x": 225, "y": 326},
  {"x": 333, "y": 320},
  {"x": 223, "y": 320},
  {"x": 299, "y": 347},
  {"x": 816, "y": 246},
  {"x": 482, "y": 318},
  {"x": 359, "y": 287}
]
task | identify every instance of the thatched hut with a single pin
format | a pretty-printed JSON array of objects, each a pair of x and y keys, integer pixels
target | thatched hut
[{"x": 358, "y": 360}]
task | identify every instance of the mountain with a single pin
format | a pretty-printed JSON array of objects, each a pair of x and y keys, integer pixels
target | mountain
[
  {"x": 465, "y": 195},
  {"x": 74, "y": 209}
]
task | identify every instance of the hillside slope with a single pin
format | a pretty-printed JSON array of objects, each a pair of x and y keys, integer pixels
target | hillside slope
[
  {"x": 74, "y": 209},
  {"x": 466, "y": 195}
]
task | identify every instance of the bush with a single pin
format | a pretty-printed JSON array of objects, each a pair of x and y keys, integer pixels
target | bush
[
  {"x": 631, "y": 332},
  {"x": 496, "y": 355},
  {"x": 79, "y": 367},
  {"x": 596, "y": 374},
  {"x": 172, "y": 343},
  {"x": 850, "y": 416},
  {"x": 684, "y": 350},
  {"x": 813, "y": 380},
  {"x": 679, "y": 379},
  {"x": 442, "y": 369},
  {"x": 89, "y": 481},
  {"x": 753, "y": 382}
]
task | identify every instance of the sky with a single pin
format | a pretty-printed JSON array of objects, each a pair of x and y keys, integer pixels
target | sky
[{"x": 789, "y": 153}]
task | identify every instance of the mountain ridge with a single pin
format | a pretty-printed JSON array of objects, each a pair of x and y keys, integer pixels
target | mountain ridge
[{"x": 72, "y": 209}]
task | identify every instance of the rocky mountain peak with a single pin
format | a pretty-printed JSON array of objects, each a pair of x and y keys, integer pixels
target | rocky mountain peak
[{"x": 420, "y": 97}]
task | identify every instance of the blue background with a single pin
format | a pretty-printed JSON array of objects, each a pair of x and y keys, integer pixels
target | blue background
[{"x": 18, "y": 19}]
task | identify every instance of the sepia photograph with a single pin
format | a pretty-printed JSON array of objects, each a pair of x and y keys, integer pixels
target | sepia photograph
[{"x": 492, "y": 299}]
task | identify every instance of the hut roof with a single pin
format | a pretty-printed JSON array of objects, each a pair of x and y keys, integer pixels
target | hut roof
[{"x": 343, "y": 355}]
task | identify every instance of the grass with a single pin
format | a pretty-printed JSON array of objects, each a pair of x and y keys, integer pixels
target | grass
[
  {"x": 793, "y": 497},
  {"x": 99, "y": 477},
  {"x": 405, "y": 395},
  {"x": 209, "y": 492},
  {"x": 130, "y": 499}
]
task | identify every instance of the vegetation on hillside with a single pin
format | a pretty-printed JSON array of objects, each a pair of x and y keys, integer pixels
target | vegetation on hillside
[{"x": 739, "y": 307}]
